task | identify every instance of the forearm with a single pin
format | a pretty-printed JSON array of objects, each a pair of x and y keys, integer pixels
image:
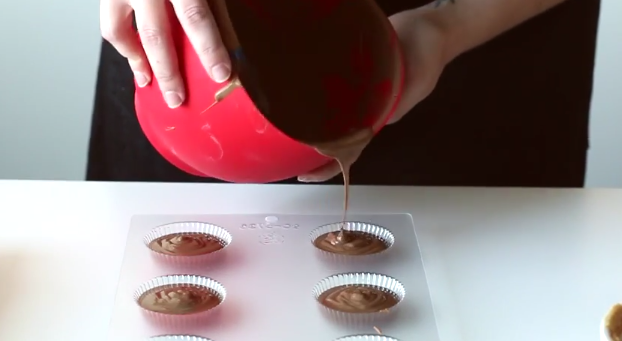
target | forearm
[{"x": 469, "y": 23}]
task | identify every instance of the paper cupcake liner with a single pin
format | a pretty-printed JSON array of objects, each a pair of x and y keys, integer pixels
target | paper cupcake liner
[
  {"x": 177, "y": 338},
  {"x": 372, "y": 280},
  {"x": 189, "y": 227},
  {"x": 367, "y": 337},
  {"x": 171, "y": 281},
  {"x": 375, "y": 230}
]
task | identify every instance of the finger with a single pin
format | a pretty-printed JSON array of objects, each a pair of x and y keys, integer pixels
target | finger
[
  {"x": 155, "y": 35},
  {"x": 198, "y": 22},
  {"x": 116, "y": 28},
  {"x": 394, "y": 119},
  {"x": 321, "y": 174},
  {"x": 332, "y": 169}
]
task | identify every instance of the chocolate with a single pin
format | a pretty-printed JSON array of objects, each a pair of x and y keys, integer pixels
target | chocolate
[
  {"x": 186, "y": 244},
  {"x": 180, "y": 299},
  {"x": 348, "y": 77},
  {"x": 353, "y": 243},
  {"x": 358, "y": 299},
  {"x": 613, "y": 323}
]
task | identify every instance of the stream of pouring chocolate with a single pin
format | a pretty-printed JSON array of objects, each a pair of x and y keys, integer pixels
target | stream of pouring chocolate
[
  {"x": 345, "y": 171},
  {"x": 341, "y": 151}
]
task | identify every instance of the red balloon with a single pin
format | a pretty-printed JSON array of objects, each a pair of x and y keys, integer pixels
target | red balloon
[{"x": 231, "y": 141}]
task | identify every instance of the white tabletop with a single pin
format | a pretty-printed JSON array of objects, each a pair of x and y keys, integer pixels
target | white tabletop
[{"x": 511, "y": 264}]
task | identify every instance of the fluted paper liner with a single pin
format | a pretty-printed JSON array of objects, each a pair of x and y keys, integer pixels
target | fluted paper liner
[
  {"x": 190, "y": 228},
  {"x": 364, "y": 279},
  {"x": 355, "y": 226},
  {"x": 172, "y": 281},
  {"x": 367, "y": 337},
  {"x": 177, "y": 338}
]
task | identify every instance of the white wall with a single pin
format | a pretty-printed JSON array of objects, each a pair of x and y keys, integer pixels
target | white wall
[
  {"x": 605, "y": 156},
  {"x": 49, "y": 53},
  {"x": 48, "y": 67}
]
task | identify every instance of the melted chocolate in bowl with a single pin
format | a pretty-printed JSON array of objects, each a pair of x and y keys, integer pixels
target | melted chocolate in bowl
[
  {"x": 340, "y": 78},
  {"x": 179, "y": 300},
  {"x": 351, "y": 243},
  {"x": 347, "y": 77},
  {"x": 358, "y": 299},
  {"x": 186, "y": 244}
]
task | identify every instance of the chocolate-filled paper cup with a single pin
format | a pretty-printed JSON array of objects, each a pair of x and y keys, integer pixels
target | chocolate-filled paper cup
[
  {"x": 359, "y": 240},
  {"x": 177, "y": 338},
  {"x": 611, "y": 325},
  {"x": 180, "y": 300},
  {"x": 189, "y": 242},
  {"x": 359, "y": 297},
  {"x": 367, "y": 337}
]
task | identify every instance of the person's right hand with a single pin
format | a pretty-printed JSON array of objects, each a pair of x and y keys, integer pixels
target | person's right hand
[{"x": 156, "y": 55}]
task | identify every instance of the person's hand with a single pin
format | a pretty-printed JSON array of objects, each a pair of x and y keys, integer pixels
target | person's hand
[
  {"x": 425, "y": 56},
  {"x": 153, "y": 54}
]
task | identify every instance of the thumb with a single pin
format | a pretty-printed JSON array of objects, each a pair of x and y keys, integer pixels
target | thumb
[
  {"x": 323, "y": 173},
  {"x": 330, "y": 170},
  {"x": 394, "y": 119}
]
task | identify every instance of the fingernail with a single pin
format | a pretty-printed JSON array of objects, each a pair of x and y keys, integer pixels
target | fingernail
[
  {"x": 221, "y": 73},
  {"x": 141, "y": 79},
  {"x": 306, "y": 179},
  {"x": 393, "y": 119},
  {"x": 173, "y": 99}
]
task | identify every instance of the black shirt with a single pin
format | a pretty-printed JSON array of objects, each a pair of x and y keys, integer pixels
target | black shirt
[{"x": 513, "y": 112}]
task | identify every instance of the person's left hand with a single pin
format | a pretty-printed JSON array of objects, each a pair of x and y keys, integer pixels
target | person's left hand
[{"x": 425, "y": 56}]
